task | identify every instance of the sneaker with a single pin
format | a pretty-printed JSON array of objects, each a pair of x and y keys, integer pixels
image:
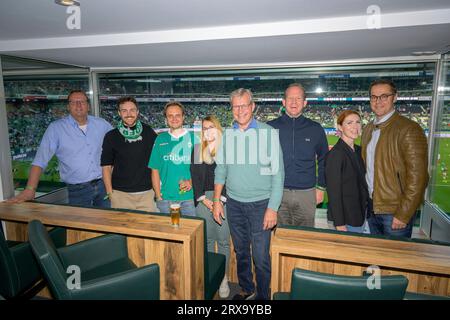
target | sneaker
[
  {"x": 244, "y": 296},
  {"x": 224, "y": 289}
]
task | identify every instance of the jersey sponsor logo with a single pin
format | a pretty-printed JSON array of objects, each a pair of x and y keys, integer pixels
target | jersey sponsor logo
[{"x": 176, "y": 158}]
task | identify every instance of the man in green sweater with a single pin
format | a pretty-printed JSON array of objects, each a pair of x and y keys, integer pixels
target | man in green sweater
[{"x": 250, "y": 163}]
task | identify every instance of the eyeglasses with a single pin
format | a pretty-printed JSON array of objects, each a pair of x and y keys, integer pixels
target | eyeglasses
[
  {"x": 208, "y": 128},
  {"x": 383, "y": 97},
  {"x": 242, "y": 106},
  {"x": 75, "y": 102}
]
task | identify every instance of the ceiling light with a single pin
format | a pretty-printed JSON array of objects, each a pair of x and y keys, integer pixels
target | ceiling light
[
  {"x": 67, "y": 3},
  {"x": 423, "y": 53}
]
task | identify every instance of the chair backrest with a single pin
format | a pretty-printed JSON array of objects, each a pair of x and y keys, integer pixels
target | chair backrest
[
  {"x": 48, "y": 259},
  {"x": 309, "y": 285},
  {"x": 9, "y": 279},
  {"x": 18, "y": 272}
]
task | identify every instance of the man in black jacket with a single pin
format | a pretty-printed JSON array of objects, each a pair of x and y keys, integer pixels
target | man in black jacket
[
  {"x": 304, "y": 146},
  {"x": 125, "y": 155}
]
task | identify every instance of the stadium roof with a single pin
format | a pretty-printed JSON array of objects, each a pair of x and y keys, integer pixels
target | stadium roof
[{"x": 204, "y": 33}]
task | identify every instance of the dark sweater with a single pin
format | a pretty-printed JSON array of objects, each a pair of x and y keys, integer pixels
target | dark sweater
[
  {"x": 129, "y": 159},
  {"x": 302, "y": 140},
  {"x": 202, "y": 175}
]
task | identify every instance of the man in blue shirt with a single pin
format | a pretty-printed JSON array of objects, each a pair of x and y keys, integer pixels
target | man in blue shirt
[
  {"x": 304, "y": 145},
  {"x": 76, "y": 140}
]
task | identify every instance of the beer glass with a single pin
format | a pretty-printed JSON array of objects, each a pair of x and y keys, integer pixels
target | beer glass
[
  {"x": 175, "y": 213},
  {"x": 180, "y": 183}
]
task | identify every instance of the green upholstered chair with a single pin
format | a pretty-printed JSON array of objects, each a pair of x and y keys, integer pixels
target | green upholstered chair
[
  {"x": 106, "y": 270},
  {"x": 214, "y": 266},
  {"x": 214, "y": 273},
  {"x": 309, "y": 285},
  {"x": 214, "y": 263},
  {"x": 20, "y": 275}
]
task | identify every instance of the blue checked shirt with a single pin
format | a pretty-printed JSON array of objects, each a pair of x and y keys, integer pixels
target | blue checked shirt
[{"x": 78, "y": 153}]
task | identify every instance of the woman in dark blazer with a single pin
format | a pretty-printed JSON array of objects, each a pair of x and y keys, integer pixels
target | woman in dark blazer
[{"x": 345, "y": 177}]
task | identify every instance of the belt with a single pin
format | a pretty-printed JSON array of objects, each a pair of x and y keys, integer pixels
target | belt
[
  {"x": 92, "y": 182},
  {"x": 291, "y": 189}
]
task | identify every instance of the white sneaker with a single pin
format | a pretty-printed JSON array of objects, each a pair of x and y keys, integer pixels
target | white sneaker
[{"x": 224, "y": 289}]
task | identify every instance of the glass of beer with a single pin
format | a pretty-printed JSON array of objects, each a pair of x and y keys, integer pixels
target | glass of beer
[
  {"x": 180, "y": 186},
  {"x": 175, "y": 213}
]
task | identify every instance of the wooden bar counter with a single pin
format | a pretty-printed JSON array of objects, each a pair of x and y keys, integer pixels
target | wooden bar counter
[
  {"x": 426, "y": 265},
  {"x": 151, "y": 239}
]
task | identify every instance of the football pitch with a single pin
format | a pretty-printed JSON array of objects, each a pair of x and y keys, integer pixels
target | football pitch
[
  {"x": 440, "y": 193},
  {"x": 49, "y": 179}
]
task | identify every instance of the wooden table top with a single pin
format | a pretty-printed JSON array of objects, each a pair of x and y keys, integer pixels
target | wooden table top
[
  {"x": 100, "y": 220},
  {"x": 352, "y": 248}
]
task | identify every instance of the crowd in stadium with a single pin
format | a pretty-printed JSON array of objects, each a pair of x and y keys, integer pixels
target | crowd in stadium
[
  {"x": 28, "y": 121},
  {"x": 20, "y": 88},
  {"x": 263, "y": 86},
  {"x": 28, "y": 118}
]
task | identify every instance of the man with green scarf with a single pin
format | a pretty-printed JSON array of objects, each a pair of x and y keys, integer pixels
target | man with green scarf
[{"x": 126, "y": 151}]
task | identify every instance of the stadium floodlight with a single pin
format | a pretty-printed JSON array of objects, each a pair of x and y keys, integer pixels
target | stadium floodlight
[
  {"x": 319, "y": 90},
  {"x": 67, "y": 3}
]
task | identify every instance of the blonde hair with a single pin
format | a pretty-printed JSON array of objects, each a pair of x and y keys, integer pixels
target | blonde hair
[{"x": 206, "y": 155}]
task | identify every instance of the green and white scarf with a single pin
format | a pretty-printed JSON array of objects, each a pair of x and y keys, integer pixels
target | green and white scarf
[{"x": 130, "y": 135}]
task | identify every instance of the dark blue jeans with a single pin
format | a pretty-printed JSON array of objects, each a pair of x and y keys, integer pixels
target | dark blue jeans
[
  {"x": 381, "y": 224},
  {"x": 245, "y": 220},
  {"x": 89, "y": 194}
]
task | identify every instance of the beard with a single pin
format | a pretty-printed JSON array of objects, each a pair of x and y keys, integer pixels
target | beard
[{"x": 126, "y": 121}]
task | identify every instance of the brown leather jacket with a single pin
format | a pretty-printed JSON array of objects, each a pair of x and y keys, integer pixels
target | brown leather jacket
[{"x": 401, "y": 166}]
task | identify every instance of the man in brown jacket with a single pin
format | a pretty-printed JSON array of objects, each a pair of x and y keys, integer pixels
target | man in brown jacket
[{"x": 394, "y": 149}]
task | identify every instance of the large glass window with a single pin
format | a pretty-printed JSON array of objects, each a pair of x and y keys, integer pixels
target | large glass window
[
  {"x": 440, "y": 177},
  {"x": 31, "y": 104},
  {"x": 329, "y": 90}
]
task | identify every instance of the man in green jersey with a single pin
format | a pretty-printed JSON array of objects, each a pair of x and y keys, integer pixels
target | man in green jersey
[{"x": 170, "y": 163}]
